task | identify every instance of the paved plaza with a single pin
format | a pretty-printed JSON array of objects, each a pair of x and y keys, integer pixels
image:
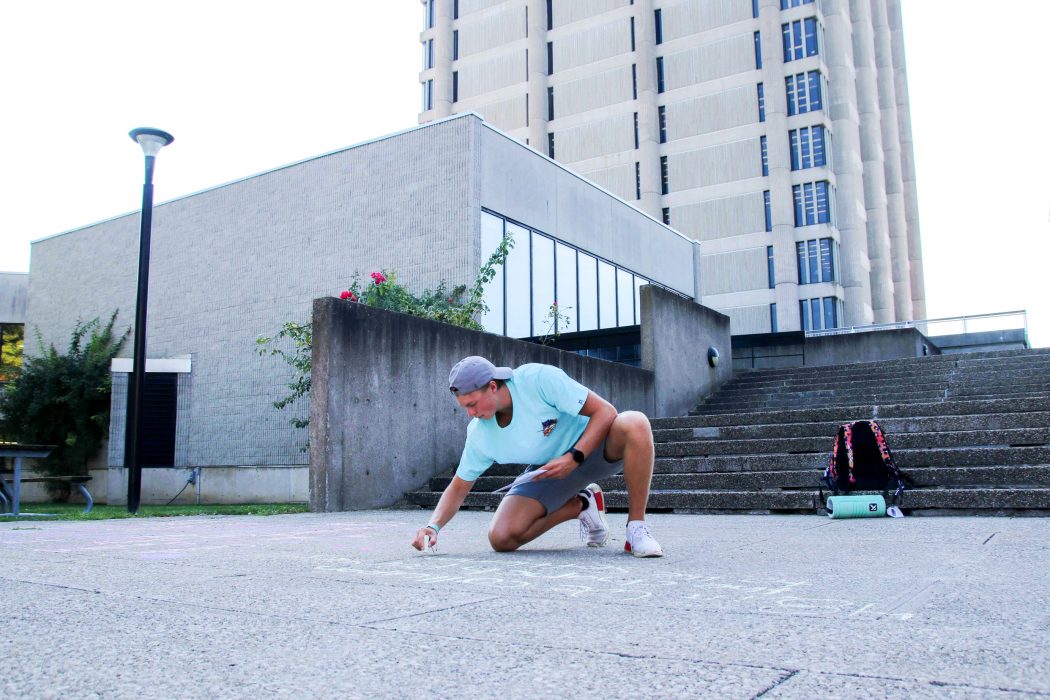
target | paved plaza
[{"x": 339, "y": 606}]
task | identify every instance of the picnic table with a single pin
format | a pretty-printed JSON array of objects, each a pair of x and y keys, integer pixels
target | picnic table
[{"x": 11, "y": 500}]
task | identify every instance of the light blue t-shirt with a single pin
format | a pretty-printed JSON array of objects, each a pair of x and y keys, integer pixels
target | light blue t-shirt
[{"x": 546, "y": 422}]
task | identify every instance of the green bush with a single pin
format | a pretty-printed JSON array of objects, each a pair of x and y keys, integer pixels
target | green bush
[
  {"x": 63, "y": 400},
  {"x": 459, "y": 306}
]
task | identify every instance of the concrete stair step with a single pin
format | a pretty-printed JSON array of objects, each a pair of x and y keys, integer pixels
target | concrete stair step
[
  {"x": 935, "y": 391},
  {"x": 1024, "y": 358},
  {"x": 960, "y": 438},
  {"x": 905, "y": 458},
  {"x": 875, "y": 405},
  {"x": 967, "y": 500},
  {"x": 1013, "y": 477},
  {"x": 827, "y": 428},
  {"x": 996, "y": 380},
  {"x": 843, "y": 413}
]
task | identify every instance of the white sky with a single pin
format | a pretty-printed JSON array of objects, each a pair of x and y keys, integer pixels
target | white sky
[{"x": 248, "y": 86}]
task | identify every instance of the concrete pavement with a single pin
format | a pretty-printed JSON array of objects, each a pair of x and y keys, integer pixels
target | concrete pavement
[{"x": 338, "y": 605}]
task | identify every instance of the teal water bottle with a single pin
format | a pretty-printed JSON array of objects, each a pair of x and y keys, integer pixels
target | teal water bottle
[{"x": 859, "y": 506}]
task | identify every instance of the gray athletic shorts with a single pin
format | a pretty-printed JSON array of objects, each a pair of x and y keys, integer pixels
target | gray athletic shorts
[{"x": 554, "y": 493}]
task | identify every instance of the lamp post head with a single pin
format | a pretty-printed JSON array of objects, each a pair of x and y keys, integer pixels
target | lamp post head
[{"x": 151, "y": 140}]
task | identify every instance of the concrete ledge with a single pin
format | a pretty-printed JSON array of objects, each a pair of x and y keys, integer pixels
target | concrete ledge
[
  {"x": 382, "y": 421},
  {"x": 676, "y": 334},
  {"x": 827, "y": 350}
]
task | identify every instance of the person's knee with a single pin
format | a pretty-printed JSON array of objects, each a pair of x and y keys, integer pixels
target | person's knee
[
  {"x": 502, "y": 540},
  {"x": 636, "y": 428}
]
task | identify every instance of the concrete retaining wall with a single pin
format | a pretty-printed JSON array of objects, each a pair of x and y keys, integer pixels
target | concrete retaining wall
[
  {"x": 676, "y": 334},
  {"x": 382, "y": 421},
  {"x": 868, "y": 347}
]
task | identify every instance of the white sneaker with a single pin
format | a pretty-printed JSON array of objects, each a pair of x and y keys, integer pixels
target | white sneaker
[
  {"x": 640, "y": 540},
  {"x": 593, "y": 528}
]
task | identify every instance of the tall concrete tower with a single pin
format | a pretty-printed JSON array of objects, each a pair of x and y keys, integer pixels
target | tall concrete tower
[{"x": 775, "y": 132}]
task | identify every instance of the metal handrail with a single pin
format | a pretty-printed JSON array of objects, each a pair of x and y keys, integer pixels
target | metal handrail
[{"x": 926, "y": 323}]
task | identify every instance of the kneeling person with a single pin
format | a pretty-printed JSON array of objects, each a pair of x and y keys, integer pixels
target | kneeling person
[{"x": 537, "y": 415}]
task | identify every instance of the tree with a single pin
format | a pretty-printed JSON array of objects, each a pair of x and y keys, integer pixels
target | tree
[{"x": 63, "y": 400}]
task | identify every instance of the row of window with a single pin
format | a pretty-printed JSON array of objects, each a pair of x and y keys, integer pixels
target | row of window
[
  {"x": 804, "y": 94},
  {"x": 813, "y": 204},
  {"x": 800, "y": 38},
  {"x": 815, "y": 314},
  {"x": 816, "y": 260},
  {"x": 591, "y": 293},
  {"x": 809, "y": 148},
  {"x": 784, "y": 5},
  {"x": 820, "y": 314}
]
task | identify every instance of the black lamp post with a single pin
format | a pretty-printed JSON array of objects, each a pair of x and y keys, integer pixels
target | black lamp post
[{"x": 151, "y": 140}]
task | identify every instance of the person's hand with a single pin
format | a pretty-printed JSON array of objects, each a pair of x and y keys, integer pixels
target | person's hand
[
  {"x": 558, "y": 468},
  {"x": 420, "y": 542}
]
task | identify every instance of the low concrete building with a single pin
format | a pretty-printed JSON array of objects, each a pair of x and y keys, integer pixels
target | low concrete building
[{"x": 235, "y": 262}]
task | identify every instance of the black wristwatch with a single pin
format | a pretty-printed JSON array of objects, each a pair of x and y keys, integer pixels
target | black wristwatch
[{"x": 577, "y": 456}]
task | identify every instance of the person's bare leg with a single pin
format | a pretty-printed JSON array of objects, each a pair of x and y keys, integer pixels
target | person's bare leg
[
  {"x": 631, "y": 439},
  {"x": 520, "y": 519}
]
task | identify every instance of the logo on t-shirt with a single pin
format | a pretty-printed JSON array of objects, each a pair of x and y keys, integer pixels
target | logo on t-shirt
[{"x": 549, "y": 426}]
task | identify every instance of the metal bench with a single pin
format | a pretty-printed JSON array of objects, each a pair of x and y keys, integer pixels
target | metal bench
[{"x": 11, "y": 499}]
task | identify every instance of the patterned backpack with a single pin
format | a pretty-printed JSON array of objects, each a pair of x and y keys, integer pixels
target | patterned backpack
[{"x": 861, "y": 461}]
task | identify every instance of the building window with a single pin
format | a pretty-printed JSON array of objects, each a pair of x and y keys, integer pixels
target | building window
[
  {"x": 816, "y": 260},
  {"x": 550, "y": 145},
  {"x": 660, "y": 26},
  {"x": 800, "y": 39},
  {"x": 819, "y": 314},
  {"x": 430, "y": 14},
  {"x": 807, "y": 148},
  {"x": 455, "y": 9},
  {"x": 831, "y": 315},
  {"x": 428, "y": 95},
  {"x": 428, "y": 54},
  {"x": 769, "y": 211},
  {"x": 773, "y": 318},
  {"x": 659, "y": 73},
  {"x": 634, "y": 80},
  {"x": 811, "y": 203},
  {"x": 758, "y": 51},
  {"x": 754, "y": 8},
  {"x": 550, "y": 58},
  {"x": 769, "y": 264},
  {"x": 761, "y": 102},
  {"x": 765, "y": 155},
  {"x": 665, "y": 187},
  {"x": 637, "y": 180},
  {"x": 788, "y": 4},
  {"x": 633, "y": 47},
  {"x": 666, "y": 212},
  {"x": 803, "y": 93},
  {"x": 662, "y": 113},
  {"x": 636, "y": 131},
  {"x": 455, "y": 86},
  {"x": 550, "y": 104},
  {"x": 455, "y": 45},
  {"x": 550, "y": 15}
]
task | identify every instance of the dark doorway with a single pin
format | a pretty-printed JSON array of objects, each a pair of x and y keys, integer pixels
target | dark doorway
[{"x": 159, "y": 402}]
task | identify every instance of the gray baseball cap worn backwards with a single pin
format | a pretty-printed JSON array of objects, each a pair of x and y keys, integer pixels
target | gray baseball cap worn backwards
[{"x": 473, "y": 373}]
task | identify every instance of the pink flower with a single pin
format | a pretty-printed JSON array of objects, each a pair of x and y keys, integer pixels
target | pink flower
[
  {"x": 347, "y": 294},
  {"x": 378, "y": 277}
]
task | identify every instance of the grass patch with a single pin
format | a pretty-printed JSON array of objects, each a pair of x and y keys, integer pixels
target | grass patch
[{"x": 74, "y": 511}]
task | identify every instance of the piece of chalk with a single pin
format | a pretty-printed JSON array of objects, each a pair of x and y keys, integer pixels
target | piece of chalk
[{"x": 427, "y": 547}]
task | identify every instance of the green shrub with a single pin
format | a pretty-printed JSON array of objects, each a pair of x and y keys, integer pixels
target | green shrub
[
  {"x": 63, "y": 400},
  {"x": 459, "y": 306}
]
